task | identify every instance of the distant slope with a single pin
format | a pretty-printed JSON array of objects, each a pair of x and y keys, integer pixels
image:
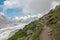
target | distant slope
[{"x": 33, "y": 30}]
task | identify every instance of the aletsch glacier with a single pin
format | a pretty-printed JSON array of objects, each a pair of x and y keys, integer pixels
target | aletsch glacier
[{"x": 6, "y": 32}]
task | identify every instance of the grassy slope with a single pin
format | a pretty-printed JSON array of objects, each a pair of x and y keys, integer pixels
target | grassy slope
[
  {"x": 34, "y": 28},
  {"x": 52, "y": 19}
]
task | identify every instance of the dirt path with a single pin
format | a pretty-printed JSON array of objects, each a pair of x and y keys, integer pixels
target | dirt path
[{"x": 47, "y": 34}]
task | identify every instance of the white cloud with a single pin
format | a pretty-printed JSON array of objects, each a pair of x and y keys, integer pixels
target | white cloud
[
  {"x": 25, "y": 19},
  {"x": 17, "y": 18},
  {"x": 11, "y": 4},
  {"x": 7, "y": 32},
  {"x": 1, "y": 13},
  {"x": 55, "y": 3},
  {"x": 30, "y": 6},
  {"x": 16, "y": 3},
  {"x": 42, "y": 6}
]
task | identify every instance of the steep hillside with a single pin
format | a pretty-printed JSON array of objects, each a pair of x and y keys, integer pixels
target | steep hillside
[
  {"x": 52, "y": 20},
  {"x": 36, "y": 28}
]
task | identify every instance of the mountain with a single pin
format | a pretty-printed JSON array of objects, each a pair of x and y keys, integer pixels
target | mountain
[
  {"x": 45, "y": 28},
  {"x": 4, "y": 22}
]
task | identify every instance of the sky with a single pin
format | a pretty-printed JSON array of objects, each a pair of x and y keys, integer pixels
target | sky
[
  {"x": 2, "y": 2},
  {"x": 24, "y": 11},
  {"x": 13, "y": 8}
]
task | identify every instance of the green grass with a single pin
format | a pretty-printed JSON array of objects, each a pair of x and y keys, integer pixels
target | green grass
[
  {"x": 52, "y": 19},
  {"x": 22, "y": 33}
]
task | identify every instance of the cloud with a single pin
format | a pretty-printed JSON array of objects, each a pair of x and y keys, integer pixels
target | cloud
[
  {"x": 30, "y": 6},
  {"x": 11, "y": 4},
  {"x": 1, "y": 13},
  {"x": 25, "y": 19},
  {"x": 54, "y": 4},
  {"x": 31, "y": 9},
  {"x": 42, "y": 6},
  {"x": 15, "y": 3}
]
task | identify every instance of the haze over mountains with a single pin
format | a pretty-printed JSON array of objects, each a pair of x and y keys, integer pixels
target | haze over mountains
[
  {"x": 4, "y": 22},
  {"x": 24, "y": 19}
]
